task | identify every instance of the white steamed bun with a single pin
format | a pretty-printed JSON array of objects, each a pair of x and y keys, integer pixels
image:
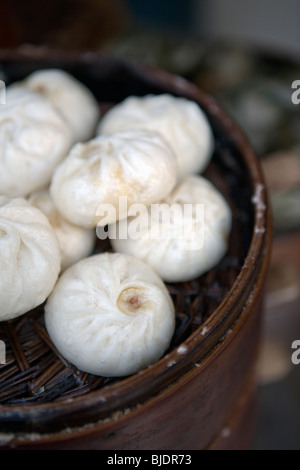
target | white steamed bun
[
  {"x": 110, "y": 315},
  {"x": 75, "y": 242},
  {"x": 34, "y": 138},
  {"x": 70, "y": 97},
  {"x": 29, "y": 257},
  {"x": 181, "y": 121},
  {"x": 137, "y": 165},
  {"x": 180, "y": 245}
]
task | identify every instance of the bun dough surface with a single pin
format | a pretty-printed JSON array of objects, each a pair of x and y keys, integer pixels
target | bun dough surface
[
  {"x": 70, "y": 97},
  {"x": 29, "y": 257},
  {"x": 182, "y": 122},
  {"x": 137, "y": 165},
  {"x": 179, "y": 245},
  {"x": 75, "y": 242},
  {"x": 110, "y": 315},
  {"x": 34, "y": 138}
]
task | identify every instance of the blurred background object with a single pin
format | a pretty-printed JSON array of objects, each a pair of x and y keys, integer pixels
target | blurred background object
[
  {"x": 66, "y": 24},
  {"x": 265, "y": 24},
  {"x": 247, "y": 55}
]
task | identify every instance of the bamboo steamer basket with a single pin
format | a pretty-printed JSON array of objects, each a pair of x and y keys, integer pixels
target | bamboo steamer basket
[{"x": 202, "y": 394}]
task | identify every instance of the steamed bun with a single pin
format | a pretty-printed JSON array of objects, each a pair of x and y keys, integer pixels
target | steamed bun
[
  {"x": 34, "y": 138},
  {"x": 110, "y": 315},
  {"x": 70, "y": 97},
  {"x": 182, "y": 237},
  {"x": 29, "y": 257},
  {"x": 181, "y": 121},
  {"x": 137, "y": 165},
  {"x": 75, "y": 242}
]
